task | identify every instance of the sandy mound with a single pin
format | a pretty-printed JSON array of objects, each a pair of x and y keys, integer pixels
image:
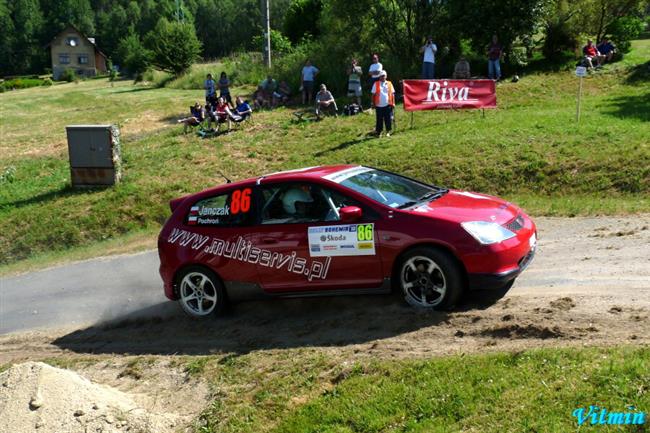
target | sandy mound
[{"x": 35, "y": 397}]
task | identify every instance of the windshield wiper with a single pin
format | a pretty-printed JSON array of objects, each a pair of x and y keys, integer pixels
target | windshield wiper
[
  {"x": 406, "y": 204},
  {"x": 433, "y": 194}
]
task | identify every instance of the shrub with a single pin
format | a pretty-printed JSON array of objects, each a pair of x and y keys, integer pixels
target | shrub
[
  {"x": 174, "y": 46},
  {"x": 137, "y": 58},
  {"x": 623, "y": 30},
  {"x": 560, "y": 37},
  {"x": 68, "y": 75},
  {"x": 47, "y": 82}
]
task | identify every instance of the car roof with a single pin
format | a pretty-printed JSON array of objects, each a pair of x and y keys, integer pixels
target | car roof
[{"x": 306, "y": 173}]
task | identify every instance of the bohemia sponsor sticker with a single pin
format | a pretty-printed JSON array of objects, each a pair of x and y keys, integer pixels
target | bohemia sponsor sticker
[{"x": 342, "y": 240}]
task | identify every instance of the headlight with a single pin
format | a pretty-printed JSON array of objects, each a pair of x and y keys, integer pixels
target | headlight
[{"x": 486, "y": 232}]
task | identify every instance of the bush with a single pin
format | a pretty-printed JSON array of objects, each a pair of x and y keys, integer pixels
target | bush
[
  {"x": 560, "y": 37},
  {"x": 68, "y": 75},
  {"x": 174, "y": 46},
  {"x": 623, "y": 30},
  {"x": 137, "y": 58},
  {"x": 47, "y": 82}
]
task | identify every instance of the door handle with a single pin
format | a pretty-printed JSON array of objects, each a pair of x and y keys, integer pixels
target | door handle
[{"x": 269, "y": 241}]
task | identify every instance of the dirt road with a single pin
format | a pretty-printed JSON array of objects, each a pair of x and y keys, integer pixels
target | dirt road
[{"x": 589, "y": 285}]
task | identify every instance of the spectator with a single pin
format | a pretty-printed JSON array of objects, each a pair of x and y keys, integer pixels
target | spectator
[
  {"x": 243, "y": 110},
  {"x": 325, "y": 102},
  {"x": 222, "y": 113},
  {"x": 429, "y": 49},
  {"x": 591, "y": 52},
  {"x": 607, "y": 49},
  {"x": 224, "y": 88},
  {"x": 197, "y": 115},
  {"x": 354, "y": 81},
  {"x": 461, "y": 69},
  {"x": 495, "y": 54},
  {"x": 282, "y": 95},
  {"x": 266, "y": 89},
  {"x": 375, "y": 69},
  {"x": 210, "y": 92},
  {"x": 383, "y": 100},
  {"x": 307, "y": 77}
]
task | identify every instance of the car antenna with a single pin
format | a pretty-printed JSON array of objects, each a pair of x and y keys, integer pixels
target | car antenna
[{"x": 224, "y": 176}]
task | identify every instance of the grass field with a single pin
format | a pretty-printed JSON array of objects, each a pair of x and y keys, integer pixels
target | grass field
[
  {"x": 530, "y": 151},
  {"x": 533, "y": 391}
]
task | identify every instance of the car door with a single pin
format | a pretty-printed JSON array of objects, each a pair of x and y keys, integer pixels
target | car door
[
  {"x": 219, "y": 230},
  {"x": 303, "y": 245}
]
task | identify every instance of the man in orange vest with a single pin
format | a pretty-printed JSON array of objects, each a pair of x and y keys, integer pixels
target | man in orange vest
[{"x": 383, "y": 100}]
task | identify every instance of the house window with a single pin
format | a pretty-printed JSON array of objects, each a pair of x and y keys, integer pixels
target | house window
[
  {"x": 72, "y": 41},
  {"x": 64, "y": 59},
  {"x": 83, "y": 59}
]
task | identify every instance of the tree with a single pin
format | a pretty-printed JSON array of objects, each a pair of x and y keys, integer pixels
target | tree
[
  {"x": 135, "y": 57},
  {"x": 174, "y": 46},
  {"x": 7, "y": 39},
  {"x": 301, "y": 19}
]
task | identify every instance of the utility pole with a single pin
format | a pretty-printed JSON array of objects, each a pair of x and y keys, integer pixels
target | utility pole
[{"x": 267, "y": 33}]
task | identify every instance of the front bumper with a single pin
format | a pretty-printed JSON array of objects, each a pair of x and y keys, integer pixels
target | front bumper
[{"x": 482, "y": 281}]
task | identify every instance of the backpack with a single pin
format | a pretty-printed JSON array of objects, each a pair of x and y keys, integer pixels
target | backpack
[{"x": 351, "y": 110}]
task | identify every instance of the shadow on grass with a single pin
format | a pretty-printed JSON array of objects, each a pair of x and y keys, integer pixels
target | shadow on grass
[
  {"x": 346, "y": 144},
  {"x": 65, "y": 191},
  {"x": 639, "y": 73},
  {"x": 261, "y": 325},
  {"x": 137, "y": 89},
  {"x": 631, "y": 106}
]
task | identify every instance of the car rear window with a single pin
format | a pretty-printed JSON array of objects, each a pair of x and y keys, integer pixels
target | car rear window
[{"x": 228, "y": 209}]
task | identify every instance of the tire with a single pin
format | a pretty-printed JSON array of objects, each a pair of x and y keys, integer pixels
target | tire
[
  {"x": 430, "y": 279},
  {"x": 200, "y": 293}
]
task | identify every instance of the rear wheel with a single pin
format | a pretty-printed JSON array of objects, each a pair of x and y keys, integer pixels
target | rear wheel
[
  {"x": 200, "y": 292},
  {"x": 430, "y": 278}
]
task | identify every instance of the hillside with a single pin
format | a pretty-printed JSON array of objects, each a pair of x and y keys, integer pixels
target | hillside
[{"x": 530, "y": 150}]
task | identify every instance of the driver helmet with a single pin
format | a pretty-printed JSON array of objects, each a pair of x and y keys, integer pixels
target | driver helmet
[{"x": 292, "y": 196}]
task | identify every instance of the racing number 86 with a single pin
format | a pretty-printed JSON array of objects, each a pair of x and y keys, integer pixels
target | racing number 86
[
  {"x": 240, "y": 201},
  {"x": 364, "y": 232}
]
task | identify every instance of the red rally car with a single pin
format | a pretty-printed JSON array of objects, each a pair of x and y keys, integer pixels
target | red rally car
[{"x": 339, "y": 230}]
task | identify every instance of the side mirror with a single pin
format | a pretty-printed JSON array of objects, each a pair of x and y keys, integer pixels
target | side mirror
[{"x": 350, "y": 214}]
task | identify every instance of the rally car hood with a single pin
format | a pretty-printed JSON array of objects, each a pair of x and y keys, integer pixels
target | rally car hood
[{"x": 462, "y": 206}]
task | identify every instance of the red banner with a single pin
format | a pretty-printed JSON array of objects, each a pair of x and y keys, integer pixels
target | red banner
[{"x": 445, "y": 94}]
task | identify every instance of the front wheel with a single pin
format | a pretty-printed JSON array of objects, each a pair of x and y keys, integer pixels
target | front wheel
[
  {"x": 430, "y": 278},
  {"x": 200, "y": 292}
]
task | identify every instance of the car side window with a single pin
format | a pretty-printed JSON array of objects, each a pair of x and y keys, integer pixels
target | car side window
[
  {"x": 229, "y": 209},
  {"x": 292, "y": 203}
]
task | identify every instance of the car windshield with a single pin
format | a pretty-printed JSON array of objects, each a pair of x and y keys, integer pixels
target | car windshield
[{"x": 391, "y": 189}]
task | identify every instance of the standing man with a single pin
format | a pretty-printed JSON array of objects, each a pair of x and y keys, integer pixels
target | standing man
[
  {"x": 354, "y": 81},
  {"x": 383, "y": 100},
  {"x": 375, "y": 69},
  {"x": 429, "y": 49},
  {"x": 495, "y": 53},
  {"x": 307, "y": 77},
  {"x": 210, "y": 90}
]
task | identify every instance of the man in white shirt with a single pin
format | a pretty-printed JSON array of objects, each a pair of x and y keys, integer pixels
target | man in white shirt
[
  {"x": 307, "y": 77},
  {"x": 375, "y": 69},
  {"x": 383, "y": 100},
  {"x": 429, "y": 50}
]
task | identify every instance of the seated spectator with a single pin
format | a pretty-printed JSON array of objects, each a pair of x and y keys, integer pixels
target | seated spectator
[
  {"x": 243, "y": 110},
  {"x": 607, "y": 49},
  {"x": 591, "y": 52},
  {"x": 223, "y": 113},
  {"x": 197, "y": 115},
  {"x": 325, "y": 101},
  {"x": 265, "y": 91},
  {"x": 282, "y": 95},
  {"x": 461, "y": 69}
]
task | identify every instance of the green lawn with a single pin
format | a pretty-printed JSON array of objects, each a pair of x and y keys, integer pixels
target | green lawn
[
  {"x": 530, "y": 151},
  {"x": 533, "y": 391}
]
